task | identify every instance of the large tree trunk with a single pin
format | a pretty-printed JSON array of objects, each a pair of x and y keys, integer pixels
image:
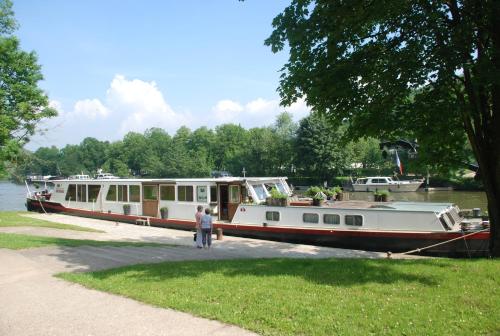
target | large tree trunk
[{"x": 490, "y": 171}]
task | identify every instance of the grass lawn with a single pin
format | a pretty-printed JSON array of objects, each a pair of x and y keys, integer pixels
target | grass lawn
[
  {"x": 15, "y": 241},
  {"x": 321, "y": 297},
  {"x": 13, "y": 218}
]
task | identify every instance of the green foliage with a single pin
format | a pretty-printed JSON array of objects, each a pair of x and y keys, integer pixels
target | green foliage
[
  {"x": 22, "y": 103},
  {"x": 14, "y": 218},
  {"x": 276, "y": 194},
  {"x": 320, "y": 147},
  {"x": 19, "y": 241},
  {"x": 319, "y": 296},
  {"x": 382, "y": 192},
  {"x": 313, "y": 191}
]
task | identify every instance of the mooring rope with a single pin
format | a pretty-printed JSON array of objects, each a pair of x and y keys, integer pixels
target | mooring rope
[{"x": 445, "y": 242}]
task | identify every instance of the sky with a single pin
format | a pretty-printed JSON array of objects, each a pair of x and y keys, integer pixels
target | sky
[{"x": 115, "y": 66}]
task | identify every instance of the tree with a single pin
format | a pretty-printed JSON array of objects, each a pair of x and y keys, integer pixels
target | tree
[
  {"x": 431, "y": 68},
  {"x": 319, "y": 147},
  {"x": 22, "y": 102}
]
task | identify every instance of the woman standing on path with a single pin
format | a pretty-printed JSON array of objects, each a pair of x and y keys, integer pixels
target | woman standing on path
[
  {"x": 206, "y": 228},
  {"x": 198, "y": 216}
]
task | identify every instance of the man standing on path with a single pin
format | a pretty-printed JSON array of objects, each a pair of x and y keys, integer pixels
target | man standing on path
[
  {"x": 206, "y": 228},
  {"x": 198, "y": 216}
]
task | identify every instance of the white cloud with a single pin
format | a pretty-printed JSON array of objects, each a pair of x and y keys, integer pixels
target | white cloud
[
  {"x": 256, "y": 113},
  {"x": 226, "y": 110},
  {"x": 142, "y": 106},
  {"x": 90, "y": 108},
  {"x": 136, "y": 105}
]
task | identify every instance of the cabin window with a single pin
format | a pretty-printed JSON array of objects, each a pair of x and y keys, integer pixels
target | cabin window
[
  {"x": 281, "y": 188},
  {"x": 167, "y": 193},
  {"x": 81, "y": 192},
  {"x": 122, "y": 193},
  {"x": 185, "y": 193},
  {"x": 272, "y": 216},
  {"x": 450, "y": 218},
  {"x": 201, "y": 194},
  {"x": 150, "y": 192},
  {"x": 260, "y": 191},
  {"x": 444, "y": 223},
  {"x": 234, "y": 194},
  {"x": 134, "y": 193},
  {"x": 213, "y": 194},
  {"x": 331, "y": 219},
  {"x": 310, "y": 218},
  {"x": 71, "y": 193},
  {"x": 111, "y": 196},
  {"x": 354, "y": 220},
  {"x": 94, "y": 190}
]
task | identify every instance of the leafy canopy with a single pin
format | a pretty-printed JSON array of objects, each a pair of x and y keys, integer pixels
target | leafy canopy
[{"x": 22, "y": 102}]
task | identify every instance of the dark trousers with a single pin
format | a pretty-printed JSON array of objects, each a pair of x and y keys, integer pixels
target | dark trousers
[{"x": 206, "y": 237}]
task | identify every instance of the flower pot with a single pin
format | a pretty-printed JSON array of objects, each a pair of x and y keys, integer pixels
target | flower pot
[
  {"x": 316, "y": 201},
  {"x": 126, "y": 209},
  {"x": 339, "y": 197},
  {"x": 164, "y": 213}
]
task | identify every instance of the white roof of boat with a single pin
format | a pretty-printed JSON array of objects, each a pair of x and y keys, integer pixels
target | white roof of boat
[
  {"x": 173, "y": 180},
  {"x": 415, "y": 206}
]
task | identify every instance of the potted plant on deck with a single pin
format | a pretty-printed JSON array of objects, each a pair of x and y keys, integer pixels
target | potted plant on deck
[
  {"x": 277, "y": 198},
  {"x": 318, "y": 198},
  {"x": 126, "y": 209},
  {"x": 381, "y": 195},
  {"x": 339, "y": 193},
  {"x": 164, "y": 212}
]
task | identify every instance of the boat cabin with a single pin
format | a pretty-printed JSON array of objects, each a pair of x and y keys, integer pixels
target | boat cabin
[{"x": 145, "y": 197}]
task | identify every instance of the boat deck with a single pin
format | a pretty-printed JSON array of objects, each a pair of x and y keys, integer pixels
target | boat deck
[{"x": 360, "y": 204}]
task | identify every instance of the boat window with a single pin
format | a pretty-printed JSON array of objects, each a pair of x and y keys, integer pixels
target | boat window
[
  {"x": 150, "y": 192},
  {"x": 134, "y": 193},
  {"x": 167, "y": 193},
  {"x": 111, "y": 196},
  {"x": 354, "y": 220},
  {"x": 81, "y": 192},
  {"x": 450, "y": 218},
  {"x": 272, "y": 216},
  {"x": 94, "y": 190},
  {"x": 234, "y": 194},
  {"x": 122, "y": 193},
  {"x": 71, "y": 193},
  {"x": 260, "y": 191},
  {"x": 185, "y": 193},
  {"x": 331, "y": 219},
  {"x": 213, "y": 194},
  {"x": 281, "y": 188},
  {"x": 444, "y": 223},
  {"x": 310, "y": 218},
  {"x": 201, "y": 194},
  {"x": 361, "y": 181}
]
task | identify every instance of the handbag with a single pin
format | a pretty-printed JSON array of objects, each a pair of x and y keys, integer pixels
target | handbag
[{"x": 194, "y": 236}]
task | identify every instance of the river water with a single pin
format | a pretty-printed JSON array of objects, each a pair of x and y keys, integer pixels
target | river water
[{"x": 13, "y": 197}]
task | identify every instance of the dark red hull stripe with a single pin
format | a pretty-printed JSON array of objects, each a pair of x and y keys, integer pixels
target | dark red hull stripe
[{"x": 395, "y": 241}]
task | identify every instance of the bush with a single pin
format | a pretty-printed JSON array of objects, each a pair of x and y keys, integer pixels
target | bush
[
  {"x": 313, "y": 191},
  {"x": 276, "y": 194}
]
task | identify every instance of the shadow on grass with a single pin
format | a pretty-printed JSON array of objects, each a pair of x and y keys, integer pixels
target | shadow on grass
[{"x": 335, "y": 272}]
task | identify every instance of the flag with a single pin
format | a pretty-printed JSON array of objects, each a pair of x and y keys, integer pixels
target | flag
[{"x": 399, "y": 164}]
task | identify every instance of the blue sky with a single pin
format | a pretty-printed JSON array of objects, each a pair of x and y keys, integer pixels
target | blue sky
[{"x": 114, "y": 66}]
